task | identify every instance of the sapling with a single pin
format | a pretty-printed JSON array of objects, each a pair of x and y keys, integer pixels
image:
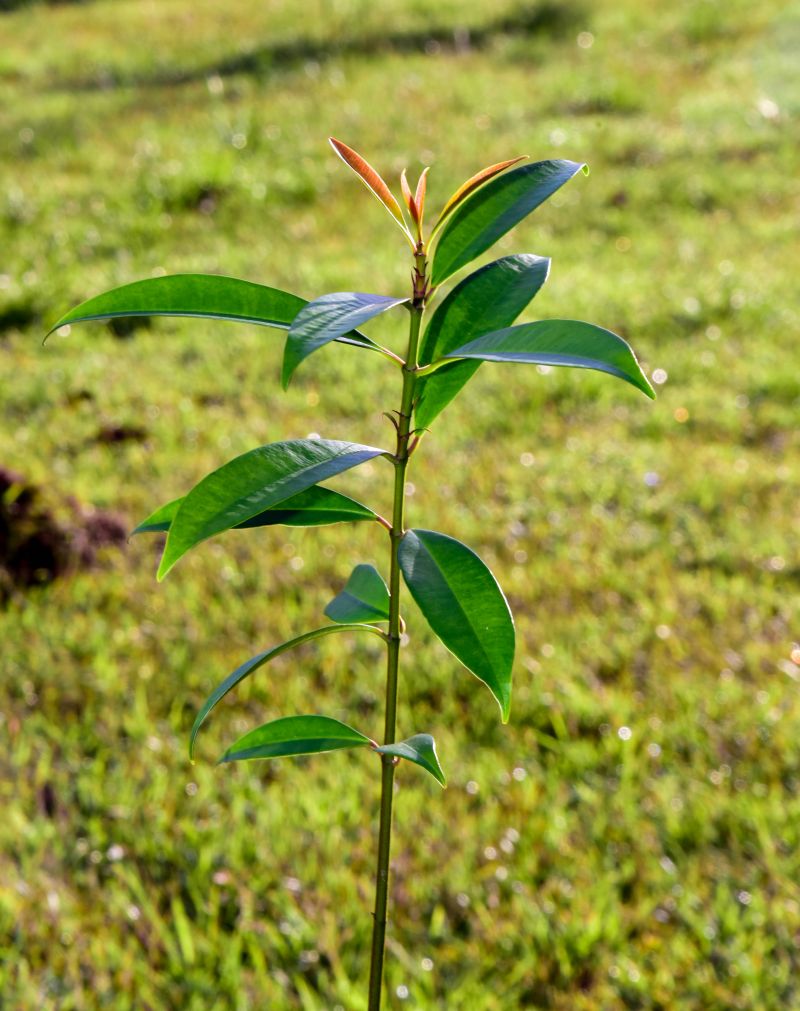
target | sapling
[{"x": 282, "y": 483}]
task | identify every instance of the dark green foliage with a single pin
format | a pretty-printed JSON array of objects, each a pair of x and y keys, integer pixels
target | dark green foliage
[
  {"x": 314, "y": 507},
  {"x": 252, "y": 665},
  {"x": 566, "y": 342},
  {"x": 253, "y": 482},
  {"x": 493, "y": 210},
  {"x": 419, "y": 749},
  {"x": 205, "y": 295},
  {"x": 463, "y": 605},
  {"x": 365, "y": 597},
  {"x": 327, "y": 319},
  {"x": 295, "y": 735},
  {"x": 490, "y": 298}
]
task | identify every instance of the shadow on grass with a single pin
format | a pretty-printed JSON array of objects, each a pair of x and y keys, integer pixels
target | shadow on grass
[
  {"x": 545, "y": 19},
  {"x": 6, "y": 6}
]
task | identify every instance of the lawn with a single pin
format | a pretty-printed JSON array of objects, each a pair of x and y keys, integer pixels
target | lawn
[{"x": 632, "y": 838}]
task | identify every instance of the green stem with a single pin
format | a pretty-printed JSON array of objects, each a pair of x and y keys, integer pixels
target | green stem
[{"x": 393, "y": 646}]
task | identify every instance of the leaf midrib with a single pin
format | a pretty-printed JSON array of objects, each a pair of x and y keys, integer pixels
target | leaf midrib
[
  {"x": 462, "y": 611},
  {"x": 277, "y": 484}
]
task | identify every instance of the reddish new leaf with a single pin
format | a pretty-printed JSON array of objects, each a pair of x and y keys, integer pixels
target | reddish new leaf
[
  {"x": 472, "y": 184},
  {"x": 370, "y": 177},
  {"x": 419, "y": 196},
  {"x": 409, "y": 197}
]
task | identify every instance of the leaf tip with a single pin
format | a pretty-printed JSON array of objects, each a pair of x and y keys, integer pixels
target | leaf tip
[
  {"x": 163, "y": 568},
  {"x": 63, "y": 321}
]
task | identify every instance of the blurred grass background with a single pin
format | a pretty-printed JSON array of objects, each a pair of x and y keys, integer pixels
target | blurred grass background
[{"x": 632, "y": 838}]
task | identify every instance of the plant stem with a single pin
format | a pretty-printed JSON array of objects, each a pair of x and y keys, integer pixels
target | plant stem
[{"x": 393, "y": 647}]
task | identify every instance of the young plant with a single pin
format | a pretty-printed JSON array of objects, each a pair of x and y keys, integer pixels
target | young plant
[{"x": 281, "y": 483}]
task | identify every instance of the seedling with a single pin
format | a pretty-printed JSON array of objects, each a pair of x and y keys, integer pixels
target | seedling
[{"x": 281, "y": 483}]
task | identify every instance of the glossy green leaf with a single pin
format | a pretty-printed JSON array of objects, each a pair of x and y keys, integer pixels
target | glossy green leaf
[
  {"x": 295, "y": 735},
  {"x": 365, "y": 597},
  {"x": 253, "y": 482},
  {"x": 314, "y": 507},
  {"x": 419, "y": 749},
  {"x": 160, "y": 521},
  {"x": 464, "y": 606},
  {"x": 208, "y": 296},
  {"x": 327, "y": 319},
  {"x": 494, "y": 209},
  {"x": 254, "y": 663},
  {"x": 490, "y": 298},
  {"x": 568, "y": 342},
  {"x": 463, "y": 191}
]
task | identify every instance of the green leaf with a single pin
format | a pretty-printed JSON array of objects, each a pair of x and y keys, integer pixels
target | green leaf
[
  {"x": 420, "y": 749},
  {"x": 253, "y": 664},
  {"x": 567, "y": 342},
  {"x": 160, "y": 521},
  {"x": 490, "y": 298},
  {"x": 365, "y": 597},
  {"x": 464, "y": 606},
  {"x": 295, "y": 735},
  {"x": 494, "y": 209},
  {"x": 327, "y": 319},
  {"x": 209, "y": 296},
  {"x": 314, "y": 507},
  {"x": 470, "y": 185},
  {"x": 251, "y": 483}
]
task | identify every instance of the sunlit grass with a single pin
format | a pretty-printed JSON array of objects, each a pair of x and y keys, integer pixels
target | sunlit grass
[{"x": 631, "y": 838}]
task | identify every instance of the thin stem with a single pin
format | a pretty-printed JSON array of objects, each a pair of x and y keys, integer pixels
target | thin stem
[
  {"x": 426, "y": 370},
  {"x": 373, "y": 346},
  {"x": 395, "y": 631}
]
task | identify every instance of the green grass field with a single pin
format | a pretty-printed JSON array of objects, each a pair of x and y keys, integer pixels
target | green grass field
[{"x": 649, "y": 550}]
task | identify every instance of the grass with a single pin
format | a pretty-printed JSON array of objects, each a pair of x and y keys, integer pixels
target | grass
[{"x": 630, "y": 840}]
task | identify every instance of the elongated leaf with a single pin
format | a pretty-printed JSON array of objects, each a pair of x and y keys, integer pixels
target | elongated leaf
[
  {"x": 464, "y": 606},
  {"x": 470, "y": 185},
  {"x": 327, "y": 319},
  {"x": 419, "y": 196},
  {"x": 371, "y": 179},
  {"x": 491, "y": 297},
  {"x": 314, "y": 507},
  {"x": 365, "y": 597},
  {"x": 567, "y": 342},
  {"x": 207, "y": 296},
  {"x": 408, "y": 196},
  {"x": 420, "y": 749},
  {"x": 495, "y": 208},
  {"x": 159, "y": 521},
  {"x": 253, "y": 482},
  {"x": 247, "y": 668},
  {"x": 295, "y": 735}
]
